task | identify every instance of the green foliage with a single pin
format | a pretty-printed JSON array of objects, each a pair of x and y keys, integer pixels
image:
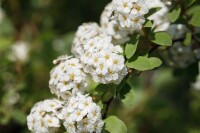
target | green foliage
[
  {"x": 130, "y": 48},
  {"x": 144, "y": 63},
  {"x": 115, "y": 125},
  {"x": 148, "y": 23},
  {"x": 161, "y": 38},
  {"x": 152, "y": 11},
  {"x": 174, "y": 14},
  {"x": 187, "y": 39},
  {"x": 195, "y": 20}
]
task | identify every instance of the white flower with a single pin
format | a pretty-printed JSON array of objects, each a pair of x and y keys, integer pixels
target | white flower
[
  {"x": 137, "y": 22},
  {"x": 124, "y": 20},
  {"x": 139, "y": 8},
  {"x": 82, "y": 115},
  {"x": 124, "y": 6},
  {"x": 130, "y": 13},
  {"x": 51, "y": 121},
  {"x": 70, "y": 126},
  {"x": 67, "y": 78},
  {"x": 111, "y": 26},
  {"x": 43, "y": 117}
]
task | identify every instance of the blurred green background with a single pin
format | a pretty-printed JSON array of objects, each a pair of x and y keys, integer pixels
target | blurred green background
[{"x": 165, "y": 101}]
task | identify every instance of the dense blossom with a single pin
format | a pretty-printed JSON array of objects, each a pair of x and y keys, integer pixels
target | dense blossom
[
  {"x": 101, "y": 59},
  {"x": 111, "y": 26},
  {"x": 130, "y": 13},
  {"x": 43, "y": 117},
  {"x": 81, "y": 114},
  {"x": 84, "y": 33},
  {"x": 67, "y": 78}
]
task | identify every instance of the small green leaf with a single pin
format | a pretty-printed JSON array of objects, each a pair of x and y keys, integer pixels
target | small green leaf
[
  {"x": 188, "y": 39},
  {"x": 144, "y": 63},
  {"x": 148, "y": 23},
  {"x": 131, "y": 48},
  {"x": 174, "y": 14},
  {"x": 152, "y": 11},
  {"x": 115, "y": 125},
  {"x": 161, "y": 38},
  {"x": 129, "y": 99},
  {"x": 195, "y": 20},
  {"x": 126, "y": 88}
]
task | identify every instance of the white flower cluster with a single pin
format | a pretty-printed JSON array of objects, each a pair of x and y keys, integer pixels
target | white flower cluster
[
  {"x": 67, "y": 78},
  {"x": 82, "y": 115},
  {"x": 130, "y": 13},
  {"x": 101, "y": 59},
  {"x": 84, "y": 33},
  {"x": 79, "y": 114},
  {"x": 160, "y": 18},
  {"x": 43, "y": 117},
  {"x": 111, "y": 26}
]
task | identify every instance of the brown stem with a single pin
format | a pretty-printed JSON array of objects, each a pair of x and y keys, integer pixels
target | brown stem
[{"x": 107, "y": 103}]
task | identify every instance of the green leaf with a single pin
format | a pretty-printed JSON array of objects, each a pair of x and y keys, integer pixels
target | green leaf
[
  {"x": 129, "y": 99},
  {"x": 193, "y": 9},
  {"x": 195, "y": 20},
  {"x": 144, "y": 63},
  {"x": 161, "y": 38},
  {"x": 126, "y": 89},
  {"x": 152, "y": 11},
  {"x": 131, "y": 48},
  {"x": 148, "y": 23},
  {"x": 187, "y": 39},
  {"x": 115, "y": 125},
  {"x": 100, "y": 89},
  {"x": 174, "y": 14}
]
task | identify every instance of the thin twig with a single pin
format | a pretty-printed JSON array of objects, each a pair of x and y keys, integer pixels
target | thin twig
[{"x": 107, "y": 103}]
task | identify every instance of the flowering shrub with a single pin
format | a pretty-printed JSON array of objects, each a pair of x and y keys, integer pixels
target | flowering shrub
[
  {"x": 99, "y": 55},
  {"x": 110, "y": 64}
]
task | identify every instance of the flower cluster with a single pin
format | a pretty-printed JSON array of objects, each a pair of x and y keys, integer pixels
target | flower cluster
[
  {"x": 130, "y": 13},
  {"x": 84, "y": 33},
  {"x": 43, "y": 117},
  {"x": 101, "y": 59},
  {"x": 111, "y": 26},
  {"x": 67, "y": 78},
  {"x": 82, "y": 115}
]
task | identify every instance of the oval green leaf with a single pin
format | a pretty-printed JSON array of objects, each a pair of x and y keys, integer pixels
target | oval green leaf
[
  {"x": 161, "y": 38},
  {"x": 115, "y": 125}
]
